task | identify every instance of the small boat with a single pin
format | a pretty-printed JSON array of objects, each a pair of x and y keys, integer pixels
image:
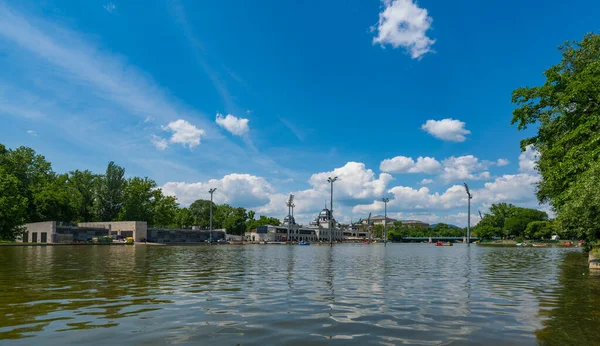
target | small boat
[
  {"x": 367, "y": 243},
  {"x": 569, "y": 244},
  {"x": 439, "y": 243},
  {"x": 523, "y": 244},
  {"x": 303, "y": 243},
  {"x": 540, "y": 245}
]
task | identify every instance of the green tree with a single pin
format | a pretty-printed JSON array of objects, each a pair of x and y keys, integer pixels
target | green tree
[
  {"x": 83, "y": 186},
  {"x": 53, "y": 200},
  {"x": 234, "y": 220},
  {"x": 539, "y": 230},
  {"x": 517, "y": 223},
  {"x": 487, "y": 231},
  {"x": 566, "y": 109},
  {"x": 164, "y": 209},
  {"x": 200, "y": 209},
  {"x": 137, "y": 200},
  {"x": 33, "y": 173},
  {"x": 13, "y": 206},
  {"x": 111, "y": 188},
  {"x": 581, "y": 216},
  {"x": 184, "y": 218}
]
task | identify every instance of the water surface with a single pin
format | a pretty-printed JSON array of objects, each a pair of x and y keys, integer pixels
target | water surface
[{"x": 415, "y": 294}]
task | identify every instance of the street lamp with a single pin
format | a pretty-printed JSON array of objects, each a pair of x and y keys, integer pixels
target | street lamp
[
  {"x": 289, "y": 204},
  {"x": 211, "y": 191},
  {"x": 331, "y": 180},
  {"x": 385, "y": 202},
  {"x": 468, "y": 215}
]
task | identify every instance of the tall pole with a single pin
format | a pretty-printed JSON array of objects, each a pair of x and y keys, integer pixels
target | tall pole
[
  {"x": 331, "y": 181},
  {"x": 289, "y": 204},
  {"x": 469, "y": 197},
  {"x": 211, "y": 191},
  {"x": 385, "y": 202}
]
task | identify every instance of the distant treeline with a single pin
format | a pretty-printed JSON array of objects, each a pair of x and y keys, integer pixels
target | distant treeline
[{"x": 30, "y": 191}]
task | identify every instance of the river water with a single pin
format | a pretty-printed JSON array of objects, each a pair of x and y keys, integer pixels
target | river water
[{"x": 415, "y": 294}]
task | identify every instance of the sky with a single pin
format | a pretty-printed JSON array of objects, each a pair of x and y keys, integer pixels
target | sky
[{"x": 399, "y": 99}]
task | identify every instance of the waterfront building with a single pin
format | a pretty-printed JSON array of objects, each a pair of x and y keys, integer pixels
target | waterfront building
[
  {"x": 321, "y": 226},
  {"x": 379, "y": 220},
  {"x": 51, "y": 232}
]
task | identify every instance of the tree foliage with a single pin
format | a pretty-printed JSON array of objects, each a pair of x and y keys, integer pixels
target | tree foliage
[
  {"x": 13, "y": 206},
  {"x": 567, "y": 110},
  {"x": 111, "y": 189}
]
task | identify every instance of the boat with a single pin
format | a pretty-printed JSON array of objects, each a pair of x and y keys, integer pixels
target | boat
[
  {"x": 569, "y": 244},
  {"x": 303, "y": 243},
  {"x": 523, "y": 244},
  {"x": 540, "y": 245},
  {"x": 439, "y": 243}
]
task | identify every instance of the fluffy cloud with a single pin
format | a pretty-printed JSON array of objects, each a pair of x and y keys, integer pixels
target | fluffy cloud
[
  {"x": 235, "y": 189},
  {"x": 160, "y": 143},
  {"x": 32, "y": 133},
  {"x": 184, "y": 133},
  {"x": 403, "y": 164},
  {"x": 237, "y": 126},
  {"x": 446, "y": 129},
  {"x": 404, "y": 24},
  {"x": 464, "y": 168},
  {"x": 355, "y": 182},
  {"x": 528, "y": 160},
  {"x": 502, "y": 162},
  {"x": 426, "y": 181},
  {"x": 513, "y": 188},
  {"x": 408, "y": 198}
]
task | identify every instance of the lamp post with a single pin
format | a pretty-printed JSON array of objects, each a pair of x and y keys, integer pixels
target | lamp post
[
  {"x": 289, "y": 204},
  {"x": 331, "y": 180},
  {"x": 468, "y": 215},
  {"x": 385, "y": 202},
  {"x": 211, "y": 191}
]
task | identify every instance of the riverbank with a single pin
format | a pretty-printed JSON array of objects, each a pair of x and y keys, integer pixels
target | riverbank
[{"x": 594, "y": 259}]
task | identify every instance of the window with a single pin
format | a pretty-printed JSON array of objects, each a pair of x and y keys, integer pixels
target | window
[
  {"x": 44, "y": 237},
  {"x": 34, "y": 237}
]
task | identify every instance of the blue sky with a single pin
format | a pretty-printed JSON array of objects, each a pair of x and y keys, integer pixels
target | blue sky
[{"x": 266, "y": 98}]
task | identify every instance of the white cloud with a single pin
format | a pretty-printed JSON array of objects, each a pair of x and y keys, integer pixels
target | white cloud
[
  {"x": 237, "y": 126},
  {"x": 446, "y": 129},
  {"x": 31, "y": 132},
  {"x": 528, "y": 160},
  {"x": 110, "y": 7},
  {"x": 235, "y": 189},
  {"x": 502, "y": 162},
  {"x": 159, "y": 142},
  {"x": 403, "y": 164},
  {"x": 464, "y": 168},
  {"x": 355, "y": 181},
  {"x": 408, "y": 198},
  {"x": 512, "y": 188},
  {"x": 184, "y": 133},
  {"x": 404, "y": 24},
  {"x": 426, "y": 181}
]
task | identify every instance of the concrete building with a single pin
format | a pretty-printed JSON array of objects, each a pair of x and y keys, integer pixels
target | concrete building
[
  {"x": 166, "y": 235},
  {"x": 379, "y": 220},
  {"x": 270, "y": 233},
  {"x": 136, "y": 229},
  {"x": 51, "y": 232}
]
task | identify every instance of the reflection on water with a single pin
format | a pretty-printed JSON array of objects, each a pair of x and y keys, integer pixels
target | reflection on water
[{"x": 294, "y": 295}]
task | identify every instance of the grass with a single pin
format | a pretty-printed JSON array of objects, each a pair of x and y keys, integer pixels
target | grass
[{"x": 596, "y": 252}]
